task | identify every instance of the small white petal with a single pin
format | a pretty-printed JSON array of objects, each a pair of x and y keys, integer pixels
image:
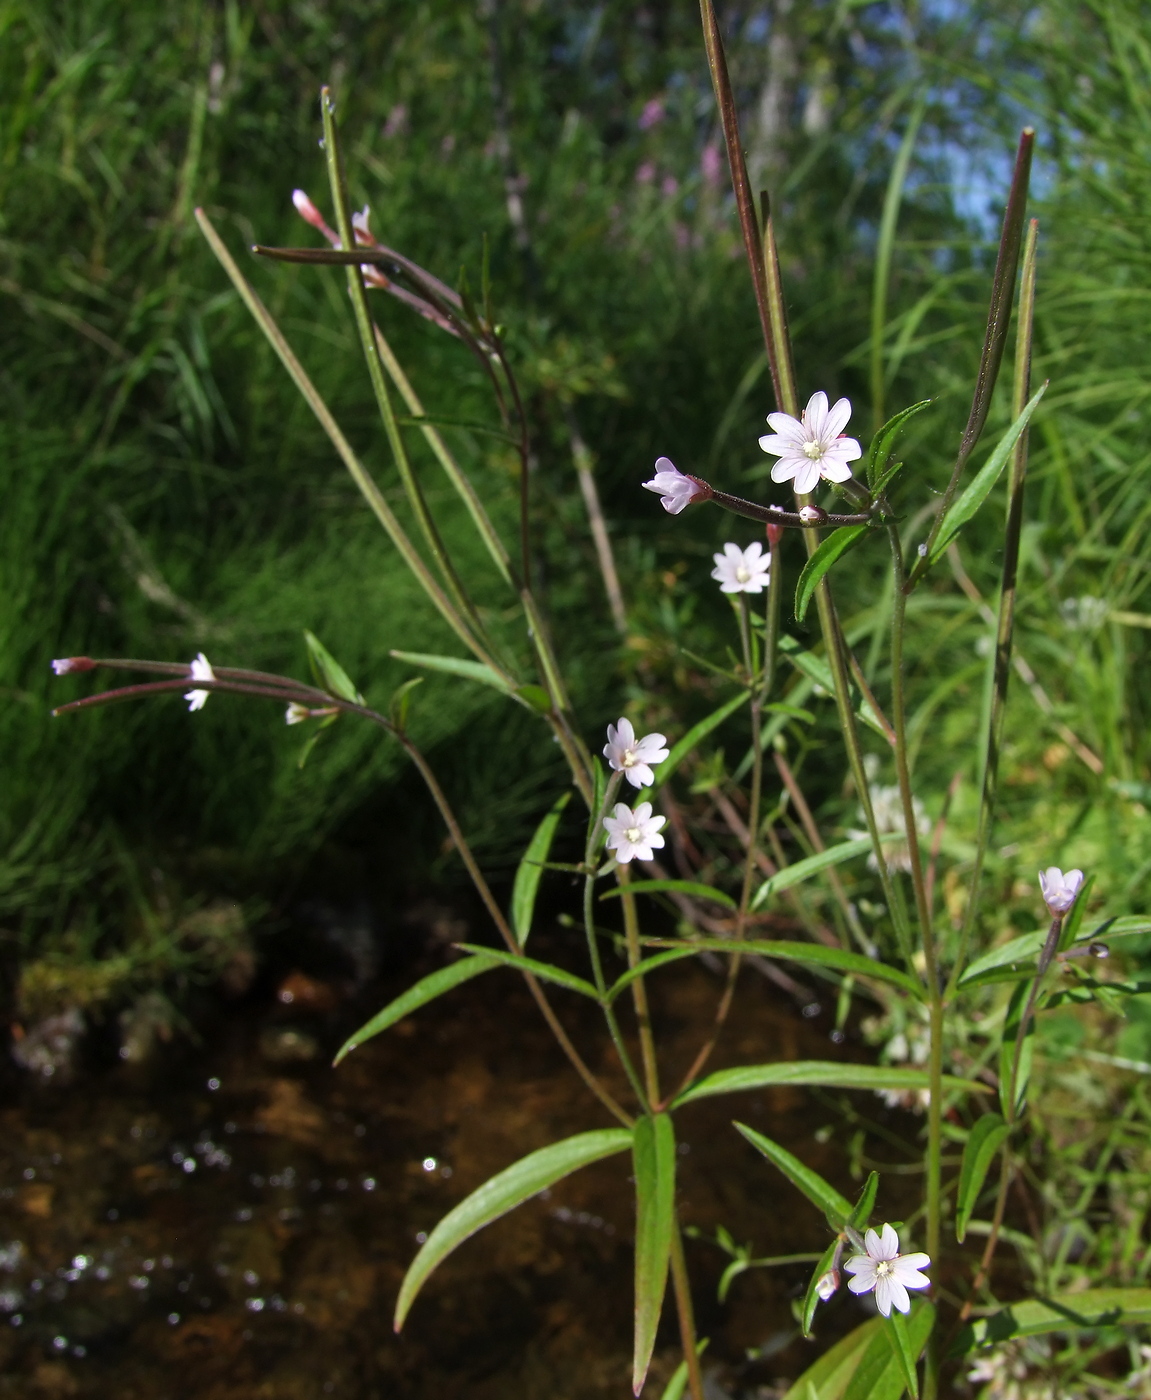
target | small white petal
[
  {"x": 837, "y": 417},
  {"x": 888, "y": 1244},
  {"x": 815, "y": 414}
]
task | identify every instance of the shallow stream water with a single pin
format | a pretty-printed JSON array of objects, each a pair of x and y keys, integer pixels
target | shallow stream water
[{"x": 234, "y": 1219}]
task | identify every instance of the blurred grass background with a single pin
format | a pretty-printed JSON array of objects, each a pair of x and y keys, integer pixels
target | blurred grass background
[{"x": 166, "y": 491}]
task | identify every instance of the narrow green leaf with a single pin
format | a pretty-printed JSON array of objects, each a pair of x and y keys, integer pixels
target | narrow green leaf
[
  {"x": 812, "y": 954},
  {"x": 692, "y": 887},
  {"x": 328, "y": 671},
  {"x": 880, "y": 1375},
  {"x": 535, "y": 697},
  {"x": 653, "y": 1156},
  {"x": 695, "y": 734},
  {"x": 829, "y": 1376},
  {"x": 1129, "y": 926},
  {"x": 425, "y": 990},
  {"x": 546, "y": 972},
  {"x": 1071, "y": 925},
  {"x": 824, "y": 1074},
  {"x": 977, "y": 492},
  {"x": 812, "y": 865},
  {"x": 829, "y": 552},
  {"x": 811, "y": 1297},
  {"x": 456, "y": 666},
  {"x": 678, "y": 1383},
  {"x": 861, "y": 1211},
  {"x": 1067, "y": 1312},
  {"x": 884, "y": 441},
  {"x": 1007, "y": 1043},
  {"x": 821, "y": 1193},
  {"x": 530, "y": 870},
  {"x": 899, "y": 1335},
  {"x": 401, "y": 701},
  {"x": 1013, "y": 959},
  {"x": 510, "y": 1188},
  {"x": 983, "y": 1142}
]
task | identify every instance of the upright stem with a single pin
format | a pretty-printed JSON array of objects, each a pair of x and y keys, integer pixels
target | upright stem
[
  {"x": 682, "y": 1285},
  {"x": 638, "y": 989}
]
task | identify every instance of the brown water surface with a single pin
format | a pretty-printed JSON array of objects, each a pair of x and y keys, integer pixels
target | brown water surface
[{"x": 235, "y": 1220}]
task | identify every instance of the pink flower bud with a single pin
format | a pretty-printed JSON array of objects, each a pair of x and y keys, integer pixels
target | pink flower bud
[
  {"x": 813, "y": 515},
  {"x": 310, "y": 214},
  {"x": 827, "y": 1285},
  {"x": 68, "y": 664},
  {"x": 774, "y": 532}
]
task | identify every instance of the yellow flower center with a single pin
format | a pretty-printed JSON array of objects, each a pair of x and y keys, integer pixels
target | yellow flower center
[
  {"x": 742, "y": 574},
  {"x": 633, "y": 834},
  {"x": 814, "y": 450},
  {"x": 883, "y": 1267}
]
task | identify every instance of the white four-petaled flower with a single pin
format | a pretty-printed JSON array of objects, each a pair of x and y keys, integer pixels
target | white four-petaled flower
[
  {"x": 1059, "y": 890},
  {"x": 742, "y": 570},
  {"x": 631, "y": 756},
  {"x": 631, "y": 834},
  {"x": 887, "y": 1271},
  {"x": 297, "y": 713},
  {"x": 813, "y": 445},
  {"x": 201, "y": 671},
  {"x": 672, "y": 486}
]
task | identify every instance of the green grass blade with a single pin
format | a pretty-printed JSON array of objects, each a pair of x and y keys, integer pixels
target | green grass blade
[
  {"x": 813, "y": 954},
  {"x": 1070, "y": 1312},
  {"x": 812, "y": 865},
  {"x": 531, "y": 870},
  {"x": 508, "y": 1189},
  {"x": 983, "y": 1142},
  {"x": 546, "y": 972},
  {"x": 824, "y": 1074},
  {"x": 699, "y": 731},
  {"x": 653, "y": 1156},
  {"x": 425, "y": 990}
]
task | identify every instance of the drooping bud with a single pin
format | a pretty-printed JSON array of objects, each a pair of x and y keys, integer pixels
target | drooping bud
[
  {"x": 827, "y": 1285},
  {"x": 774, "y": 532},
  {"x": 67, "y": 664},
  {"x": 310, "y": 214},
  {"x": 813, "y": 515}
]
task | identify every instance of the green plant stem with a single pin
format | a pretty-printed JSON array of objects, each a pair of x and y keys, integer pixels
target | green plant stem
[
  {"x": 638, "y": 988},
  {"x": 339, "y": 189},
  {"x": 771, "y": 614},
  {"x": 591, "y": 854},
  {"x": 681, "y": 1283},
  {"x": 1005, "y": 626}
]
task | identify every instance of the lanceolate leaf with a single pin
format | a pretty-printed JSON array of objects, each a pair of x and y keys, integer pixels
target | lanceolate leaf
[
  {"x": 678, "y": 1383},
  {"x": 503, "y": 1193},
  {"x": 1007, "y": 1043},
  {"x": 813, "y": 954},
  {"x": 829, "y": 552},
  {"x": 884, "y": 441},
  {"x": 861, "y": 1211},
  {"x": 980, "y": 488},
  {"x": 828, "y": 1378},
  {"x": 328, "y": 671},
  {"x": 547, "y": 972},
  {"x": 690, "y": 887},
  {"x": 1016, "y": 958},
  {"x": 899, "y": 1335},
  {"x": 456, "y": 666},
  {"x": 983, "y": 1142},
  {"x": 880, "y": 1375},
  {"x": 1068, "y": 1312},
  {"x": 425, "y": 990},
  {"x": 813, "y": 1186},
  {"x": 695, "y": 734},
  {"x": 812, "y": 865},
  {"x": 823, "y": 1073},
  {"x": 530, "y": 870},
  {"x": 811, "y": 1297},
  {"x": 654, "y": 1159}
]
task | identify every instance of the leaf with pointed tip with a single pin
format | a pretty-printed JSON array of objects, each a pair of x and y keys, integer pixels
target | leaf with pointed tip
[
  {"x": 828, "y": 1377},
  {"x": 861, "y": 1211},
  {"x": 883, "y": 442},
  {"x": 812, "y": 865},
  {"x": 977, "y": 492},
  {"x": 821, "y": 1193},
  {"x": 811, "y": 1298},
  {"x": 328, "y": 671},
  {"x": 425, "y": 990},
  {"x": 899, "y": 1335},
  {"x": 828, "y": 552},
  {"x": 508, "y": 1189},
  {"x": 1008, "y": 1040},
  {"x": 653, "y": 1155},
  {"x": 695, "y": 734},
  {"x": 812, "y": 954},
  {"x": 983, "y": 1142},
  {"x": 456, "y": 666},
  {"x": 546, "y": 972},
  {"x": 1067, "y": 1312},
  {"x": 678, "y": 1383},
  {"x": 690, "y": 887},
  {"x": 880, "y": 1375},
  {"x": 531, "y": 868},
  {"x": 824, "y": 1074}
]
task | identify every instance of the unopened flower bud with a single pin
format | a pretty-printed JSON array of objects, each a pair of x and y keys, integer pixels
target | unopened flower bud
[
  {"x": 67, "y": 664},
  {"x": 308, "y": 212},
  {"x": 813, "y": 515},
  {"x": 297, "y": 714},
  {"x": 827, "y": 1285},
  {"x": 1099, "y": 950},
  {"x": 774, "y": 532}
]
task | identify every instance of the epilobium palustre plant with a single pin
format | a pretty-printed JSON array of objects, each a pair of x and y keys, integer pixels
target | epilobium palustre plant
[{"x": 924, "y": 973}]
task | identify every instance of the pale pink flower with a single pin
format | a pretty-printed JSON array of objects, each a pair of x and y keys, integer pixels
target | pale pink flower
[
  {"x": 827, "y": 1285},
  {"x": 631, "y": 834},
  {"x": 813, "y": 445},
  {"x": 67, "y": 664},
  {"x": 201, "y": 670},
  {"x": 1059, "y": 890},
  {"x": 676, "y": 490},
  {"x": 631, "y": 756},
  {"x": 711, "y": 164},
  {"x": 887, "y": 1271},
  {"x": 297, "y": 713},
  {"x": 742, "y": 570},
  {"x": 652, "y": 114}
]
